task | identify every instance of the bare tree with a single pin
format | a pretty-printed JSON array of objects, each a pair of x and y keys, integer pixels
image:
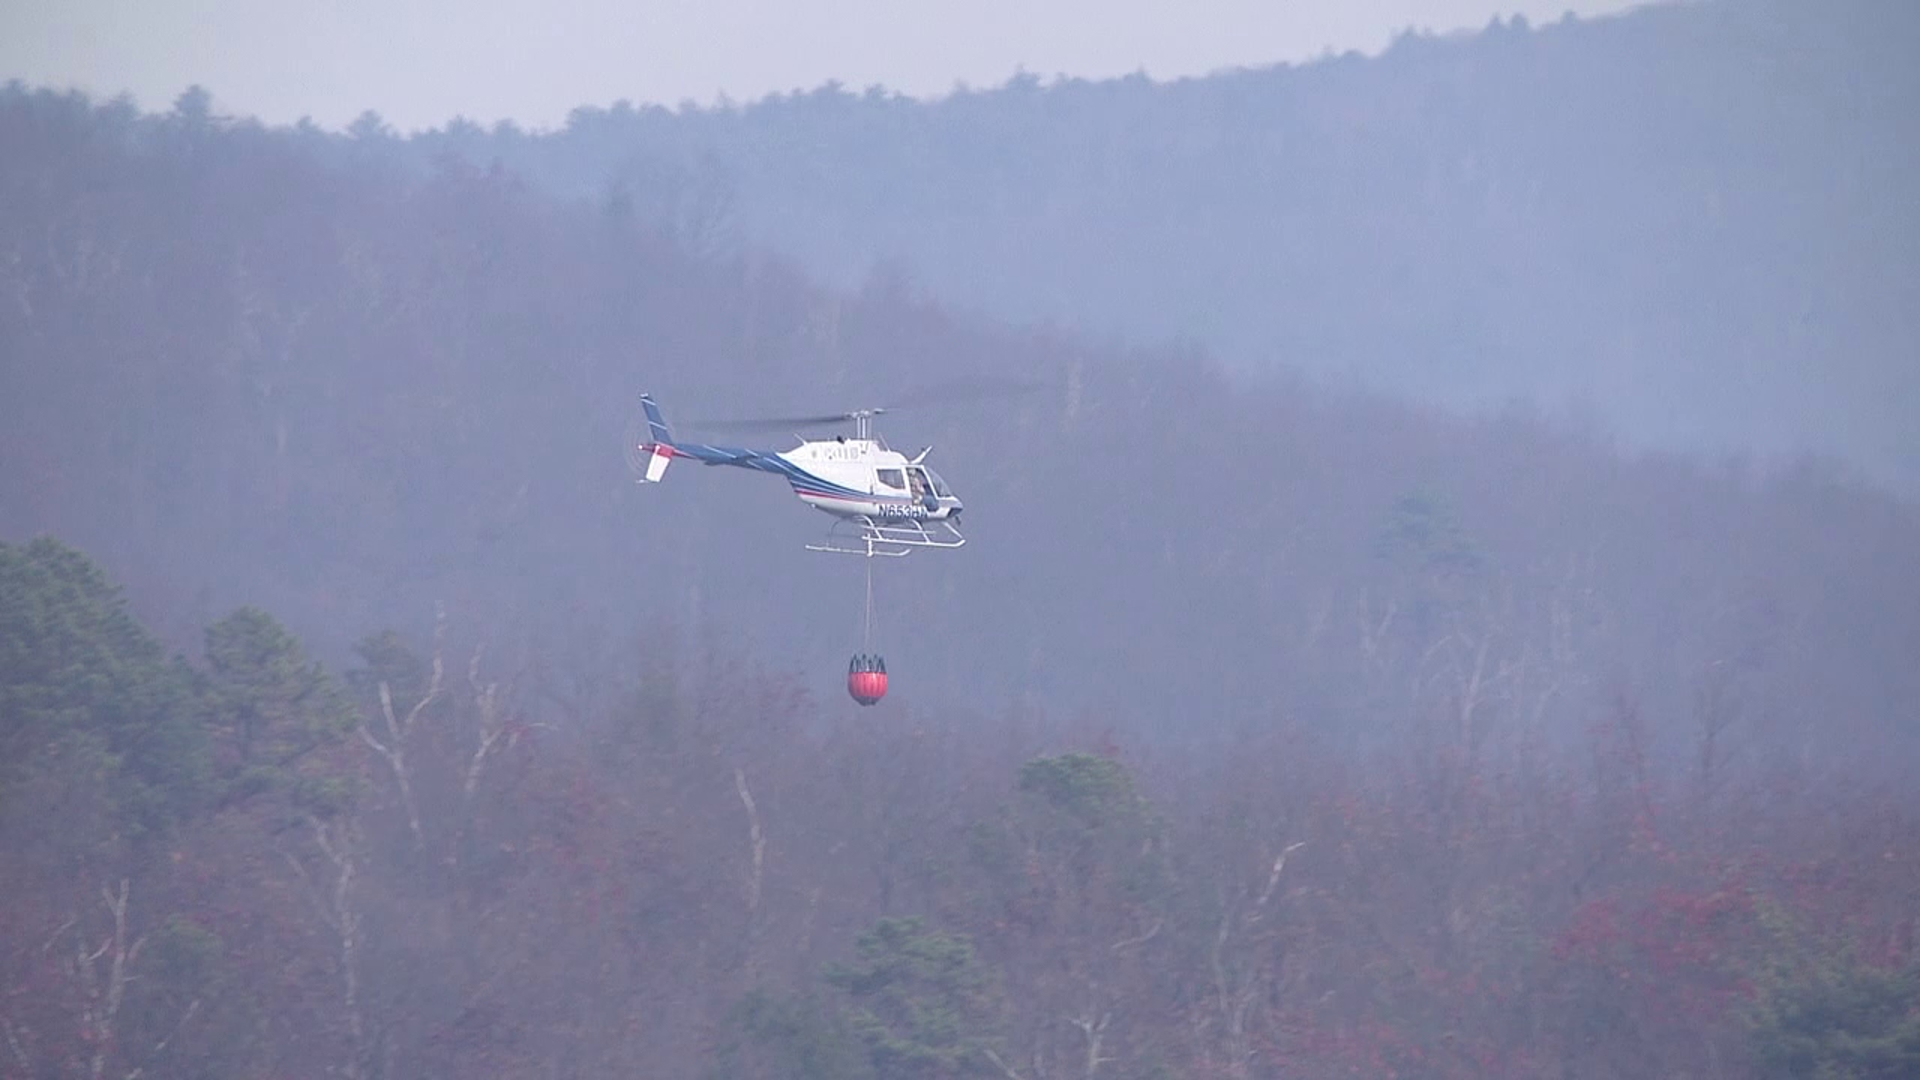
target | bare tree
[
  {"x": 1244, "y": 927},
  {"x": 757, "y": 844},
  {"x": 393, "y": 746},
  {"x": 1716, "y": 708},
  {"x": 333, "y": 898},
  {"x": 102, "y": 974},
  {"x": 491, "y": 724}
]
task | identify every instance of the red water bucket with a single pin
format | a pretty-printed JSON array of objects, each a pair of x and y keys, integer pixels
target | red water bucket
[{"x": 867, "y": 678}]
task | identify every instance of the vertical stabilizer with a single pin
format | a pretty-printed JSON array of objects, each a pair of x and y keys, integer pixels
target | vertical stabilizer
[{"x": 659, "y": 445}]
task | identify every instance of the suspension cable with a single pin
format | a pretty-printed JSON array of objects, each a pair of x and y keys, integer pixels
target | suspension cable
[{"x": 866, "y": 640}]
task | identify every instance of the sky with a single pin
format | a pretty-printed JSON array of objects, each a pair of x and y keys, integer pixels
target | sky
[{"x": 420, "y": 63}]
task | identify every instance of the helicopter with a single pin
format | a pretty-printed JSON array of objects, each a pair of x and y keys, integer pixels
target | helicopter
[{"x": 883, "y": 503}]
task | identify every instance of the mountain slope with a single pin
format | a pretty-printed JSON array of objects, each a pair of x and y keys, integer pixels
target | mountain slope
[
  {"x": 250, "y": 366},
  {"x": 1691, "y": 221}
]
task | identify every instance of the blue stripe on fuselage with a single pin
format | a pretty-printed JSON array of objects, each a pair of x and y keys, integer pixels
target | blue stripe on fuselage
[{"x": 803, "y": 482}]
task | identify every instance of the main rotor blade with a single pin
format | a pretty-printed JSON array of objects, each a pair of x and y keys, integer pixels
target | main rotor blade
[
  {"x": 786, "y": 423},
  {"x": 958, "y": 391},
  {"x": 949, "y": 392}
]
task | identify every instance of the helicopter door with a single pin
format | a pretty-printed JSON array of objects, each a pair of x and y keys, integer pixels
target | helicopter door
[{"x": 922, "y": 487}]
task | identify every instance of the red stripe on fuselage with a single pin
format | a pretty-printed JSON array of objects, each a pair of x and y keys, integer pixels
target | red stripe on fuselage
[{"x": 831, "y": 497}]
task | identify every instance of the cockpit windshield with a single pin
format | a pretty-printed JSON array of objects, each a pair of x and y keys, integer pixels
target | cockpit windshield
[{"x": 939, "y": 485}]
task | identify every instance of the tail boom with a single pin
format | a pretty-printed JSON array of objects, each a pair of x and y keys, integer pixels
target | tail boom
[{"x": 650, "y": 459}]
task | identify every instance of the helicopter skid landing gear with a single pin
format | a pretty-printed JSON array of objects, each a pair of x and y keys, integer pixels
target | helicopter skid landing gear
[{"x": 880, "y": 539}]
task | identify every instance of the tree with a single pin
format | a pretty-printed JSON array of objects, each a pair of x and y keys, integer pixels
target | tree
[
  {"x": 273, "y": 710},
  {"x": 82, "y": 681},
  {"x": 1079, "y": 897},
  {"x": 369, "y": 127},
  {"x": 1821, "y": 1012},
  {"x": 194, "y": 107},
  {"x": 1848, "y": 1023},
  {"x": 795, "y": 1037},
  {"x": 921, "y": 1002},
  {"x": 103, "y": 766}
]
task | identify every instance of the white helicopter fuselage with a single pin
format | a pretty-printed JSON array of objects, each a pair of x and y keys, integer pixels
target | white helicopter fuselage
[{"x": 859, "y": 478}]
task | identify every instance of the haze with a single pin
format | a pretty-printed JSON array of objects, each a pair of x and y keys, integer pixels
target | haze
[
  {"x": 1440, "y": 597},
  {"x": 421, "y": 64}
]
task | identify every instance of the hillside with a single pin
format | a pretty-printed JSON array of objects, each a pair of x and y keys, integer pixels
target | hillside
[
  {"x": 262, "y": 366},
  {"x": 1260, "y": 730},
  {"x": 1691, "y": 221}
]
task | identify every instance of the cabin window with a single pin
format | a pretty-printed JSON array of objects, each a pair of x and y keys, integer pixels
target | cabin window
[{"x": 892, "y": 478}]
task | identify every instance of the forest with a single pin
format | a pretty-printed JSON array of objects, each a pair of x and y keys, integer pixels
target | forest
[
  {"x": 1691, "y": 219},
  {"x": 360, "y": 716},
  {"x": 237, "y": 863}
]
